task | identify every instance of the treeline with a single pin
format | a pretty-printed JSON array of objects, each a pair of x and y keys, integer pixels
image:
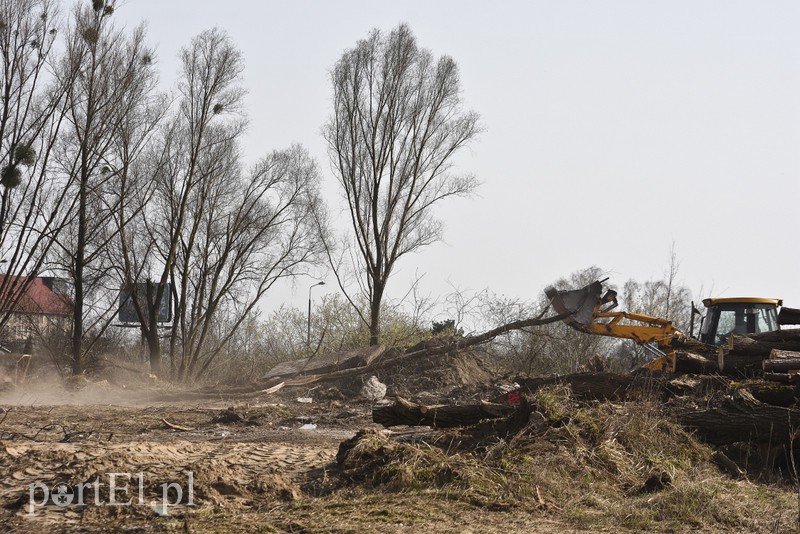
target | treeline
[{"x": 110, "y": 182}]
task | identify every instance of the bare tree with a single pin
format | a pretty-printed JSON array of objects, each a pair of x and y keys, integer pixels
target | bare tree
[
  {"x": 33, "y": 205},
  {"x": 255, "y": 229},
  {"x": 396, "y": 126},
  {"x": 196, "y": 152},
  {"x": 664, "y": 298},
  {"x": 212, "y": 236},
  {"x": 111, "y": 73}
]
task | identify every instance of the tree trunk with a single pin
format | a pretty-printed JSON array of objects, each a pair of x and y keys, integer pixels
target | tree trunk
[
  {"x": 586, "y": 386},
  {"x": 742, "y": 419},
  {"x": 771, "y": 393},
  {"x": 789, "y": 316},
  {"x": 782, "y": 377},
  {"x": 454, "y": 344},
  {"x": 689, "y": 362},
  {"x": 776, "y": 354},
  {"x": 403, "y": 412},
  {"x": 743, "y": 354},
  {"x": 78, "y": 363},
  {"x": 778, "y": 339},
  {"x": 781, "y": 365},
  {"x": 695, "y": 347},
  {"x": 740, "y": 363},
  {"x": 375, "y": 313},
  {"x": 154, "y": 346},
  {"x": 153, "y": 341}
]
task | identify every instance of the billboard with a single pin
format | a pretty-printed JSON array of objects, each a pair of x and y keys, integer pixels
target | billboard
[{"x": 127, "y": 311}]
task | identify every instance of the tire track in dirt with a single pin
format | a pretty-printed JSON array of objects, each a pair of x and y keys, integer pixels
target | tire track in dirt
[{"x": 233, "y": 474}]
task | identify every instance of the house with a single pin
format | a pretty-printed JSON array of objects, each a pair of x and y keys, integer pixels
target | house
[{"x": 43, "y": 308}]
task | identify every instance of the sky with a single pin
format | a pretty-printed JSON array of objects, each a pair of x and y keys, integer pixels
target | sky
[{"x": 613, "y": 132}]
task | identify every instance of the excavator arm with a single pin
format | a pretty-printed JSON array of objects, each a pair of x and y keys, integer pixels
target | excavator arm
[{"x": 589, "y": 309}]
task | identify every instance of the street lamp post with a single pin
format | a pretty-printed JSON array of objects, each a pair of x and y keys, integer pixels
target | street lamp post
[{"x": 308, "y": 335}]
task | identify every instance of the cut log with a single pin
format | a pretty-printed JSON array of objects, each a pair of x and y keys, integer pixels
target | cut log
[
  {"x": 781, "y": 365},
  {"x": 789, "y": 316},
  {"x": 743, "y": 354},
  {"x": 695, "y": 347},
  {"x": 776, "y": 354},
  {"x": 741, "y": 419},
  {"x": 690, "y": 362},
  {"x": 586, "y": 386},
  {"x": 778, "y": 339},
  {"x": 785, "y": 394},
  {"x": 739, "y": 363},
  {"x": 782, "y": 377},
  {"x": 403, "y": 412}
]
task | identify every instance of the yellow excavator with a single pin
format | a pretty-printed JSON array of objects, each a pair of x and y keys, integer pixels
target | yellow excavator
[{"x": 590, "y": 309}]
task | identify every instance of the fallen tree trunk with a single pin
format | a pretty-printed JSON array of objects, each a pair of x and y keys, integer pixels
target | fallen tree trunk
[
  {"x": 781, "y": 365},
  {"x": 764, "y": 342},
  {"x": 743, "y": 363},
  {"x": 453, "y": 345},
  {"x": 776, "y": 354},
  {"x": 694, "y": 346},
  {"x": 789, "y": 316},
  {"x": 772, "y": 393},
  {"x": 690, "y": 362},
  {"x": 741, "y": 419},
  {"x": 586, "y": 386},
  {"x": 782, "y": 377},
  {"x": 403, "y": 412},
  {"x": 743, "y": 354}
]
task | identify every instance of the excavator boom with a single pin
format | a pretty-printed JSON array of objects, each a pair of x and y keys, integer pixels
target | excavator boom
[{"x": 589, "y": 310}]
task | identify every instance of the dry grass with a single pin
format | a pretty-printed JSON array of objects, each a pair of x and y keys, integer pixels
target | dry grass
[{"x": 598, "y": 466}]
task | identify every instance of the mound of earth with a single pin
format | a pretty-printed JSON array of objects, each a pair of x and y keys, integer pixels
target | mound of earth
[{"x": 438, "y": 375}]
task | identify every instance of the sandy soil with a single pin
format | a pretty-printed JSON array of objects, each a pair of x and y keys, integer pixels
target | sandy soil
[{"x": 226, "y": 455}]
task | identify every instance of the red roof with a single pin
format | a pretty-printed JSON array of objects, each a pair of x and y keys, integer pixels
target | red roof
[{"x": 37, "y": 299}]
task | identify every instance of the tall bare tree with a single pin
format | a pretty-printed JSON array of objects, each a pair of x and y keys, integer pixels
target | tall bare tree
[
  {"x": 215, "y": 236},
  {"x": 111, "y": 72},
  {"x": 256, "y": 228},
  {"x": 396, "y": 126},
  {"x": 196, "y": 149},
  {"x": 33, "y": 201}
]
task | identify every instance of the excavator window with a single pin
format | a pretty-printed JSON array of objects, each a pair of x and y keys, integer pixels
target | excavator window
[{"x": 723, "y": 320}]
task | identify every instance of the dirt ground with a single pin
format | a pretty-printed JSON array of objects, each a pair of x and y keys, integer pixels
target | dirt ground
[
  {"x": 119, "y": 455},
  {"x": 248, "y": 463}
]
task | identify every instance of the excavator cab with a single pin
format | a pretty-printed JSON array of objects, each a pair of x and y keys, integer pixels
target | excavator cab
[{"x": 741, "y": 316}]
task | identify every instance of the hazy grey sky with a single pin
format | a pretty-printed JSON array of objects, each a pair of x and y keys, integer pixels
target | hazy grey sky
[{"x": 613, "y": 129}]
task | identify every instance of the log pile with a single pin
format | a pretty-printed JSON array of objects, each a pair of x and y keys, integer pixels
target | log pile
[
  {"x": 743, "y": 355},
  {"x": 733, "y": 416},
  {"x": 782, "y": 366}
]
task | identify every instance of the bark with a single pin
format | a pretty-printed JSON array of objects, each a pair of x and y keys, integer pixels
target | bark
[
  {"x": 776, "y": 354},
  {"x": 781, "y": 365},
  {"x": 403, "y": 412},
  {"x": 741, "y": 419},
  {"x": 589, "y": 386},
  {"x": 778, "y": 339},
  {"x": 740, "y": 363},
  {"x": 375, "y": 313},
  {"x": 689, "y": 362},
  {"x": 695, "y": 347},
  {"x": 743, "y": 354},
  {"x": 782, "y": 377},
  {"x": 789, "y": 316},
  {"x": 769, "y": 392}
]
